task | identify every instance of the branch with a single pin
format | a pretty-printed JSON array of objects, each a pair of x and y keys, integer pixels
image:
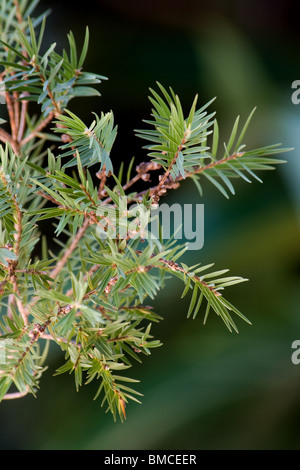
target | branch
[
  {"x": 142, "y": 173},
  {"x": 102, "y": 177},
  {"x": 13, "y": 396},
  {"x": 18, "y": 11},
  {"x": 234, "y": 156},
  {"x": 37, "y": 332},
  {"x": 61, "y": 263},
  {"x": 38, "y": 129},
  {"x": 166, "y": 175},
  {"x": 16, "y": 110},
  {"x": 12, "y": 265},
  {"x": 11, "y": 114},
  {"x": 169, "y": 183},
  {"x": 175, "y": 267},
  {"x": 6, "y": 137},
  {"x": 22, "y": 124}
]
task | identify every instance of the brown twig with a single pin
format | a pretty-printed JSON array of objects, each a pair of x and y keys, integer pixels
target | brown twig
[
  {"x": 38, "y": 129},
  {"x": 200, "y": 169},
  {"x": 169, "y": 183},
  {"x": 22, "y": 123},
  {"x": 6, "y": 137},
  {"x": 171, "y": 265},
  {"x": 166, "y": 174},
  {"x": 48, "y": 197},
  {"x": 37, "y": 332},
  {"x": 102, "y": 177},
  {"x": 13, "y": 396},
  {"x": 16, "y": 110},
  {"x": 57, "y": 110},
  {"x": 11, "y": 114},
  {"x": 88, "y": 195},
  {"x": 142, "y": 173},
  {"x": 18, "y": 11},
  {"x": 61, "y": 263},
  {"x": 12, "y": 264}
]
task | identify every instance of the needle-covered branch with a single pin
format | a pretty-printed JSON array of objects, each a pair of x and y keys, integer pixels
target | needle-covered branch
[{"x": 89, "y": 293}]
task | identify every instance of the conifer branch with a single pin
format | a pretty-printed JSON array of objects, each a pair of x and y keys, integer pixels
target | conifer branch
[
  {"x": 91, "y": 295},
  {"x": 44, "y": 123},
  {"x": 61, "y": 263},
  {"x": 173, "y": 162}
]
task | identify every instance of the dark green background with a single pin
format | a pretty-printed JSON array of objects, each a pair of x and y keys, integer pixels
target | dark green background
[{"x": 204, "y": 388}]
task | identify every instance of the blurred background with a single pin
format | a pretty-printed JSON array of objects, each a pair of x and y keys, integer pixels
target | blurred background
[{"x": 205, "y": 388}]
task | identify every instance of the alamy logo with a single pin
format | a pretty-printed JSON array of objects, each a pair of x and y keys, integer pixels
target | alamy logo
[
  {"x": 296, "y": 354},
  {"x": 184, "y": 222},
  {"x": 296, "y": 94}
]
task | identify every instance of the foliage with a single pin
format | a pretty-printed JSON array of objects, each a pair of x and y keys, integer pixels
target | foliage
[{"x": 90, "y": 296}]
